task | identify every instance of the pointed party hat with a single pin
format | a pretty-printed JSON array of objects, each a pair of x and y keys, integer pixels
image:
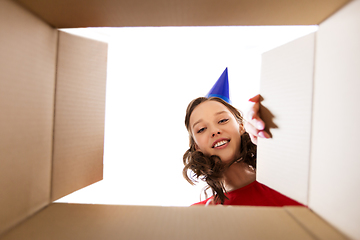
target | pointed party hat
[{"x": 221, "y": 87}]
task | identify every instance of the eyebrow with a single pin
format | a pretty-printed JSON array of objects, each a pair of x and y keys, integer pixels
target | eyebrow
[{"x": 214, "y": 114}]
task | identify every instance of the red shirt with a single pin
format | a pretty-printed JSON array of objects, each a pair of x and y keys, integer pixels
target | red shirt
[{"x": 256, "y": 194}]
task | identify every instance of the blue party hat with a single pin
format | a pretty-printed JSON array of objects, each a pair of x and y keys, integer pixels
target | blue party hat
[{"x": 221, "y": 87}]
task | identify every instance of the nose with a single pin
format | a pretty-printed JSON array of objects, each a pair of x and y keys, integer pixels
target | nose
[{"x": 215, "y": 134}]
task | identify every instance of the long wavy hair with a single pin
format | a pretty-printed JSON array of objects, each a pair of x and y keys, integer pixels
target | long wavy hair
[{"x": 210, "y": 168}]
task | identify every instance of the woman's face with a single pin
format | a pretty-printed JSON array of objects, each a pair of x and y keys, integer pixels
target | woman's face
[{"x": 216, "y": 131}]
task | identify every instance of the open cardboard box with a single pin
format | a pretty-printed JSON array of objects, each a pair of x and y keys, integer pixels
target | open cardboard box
[{"x": 52, "y": 104}]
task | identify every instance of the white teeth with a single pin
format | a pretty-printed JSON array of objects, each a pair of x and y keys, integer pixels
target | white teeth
[{"x": 218, "y": 144}]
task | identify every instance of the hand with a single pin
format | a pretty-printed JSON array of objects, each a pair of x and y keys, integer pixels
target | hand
[{"x": 254, "y": 125}]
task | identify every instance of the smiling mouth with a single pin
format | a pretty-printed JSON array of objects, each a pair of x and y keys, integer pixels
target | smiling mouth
[{"x": 221, "y": 143}]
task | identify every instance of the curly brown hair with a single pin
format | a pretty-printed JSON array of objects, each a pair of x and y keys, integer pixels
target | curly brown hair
[{"x": 210, "y": 168}]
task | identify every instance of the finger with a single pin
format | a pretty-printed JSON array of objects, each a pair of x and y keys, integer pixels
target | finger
[
  {"x": 255, "y": 98},
  {"x": 264, "y": 134},
  {"x": 249, "y": 128},
  {"x": 254, "y": 111},
  {"x": 253, "y": 139},
  {"x": 258, "y": 123},
  {"x": 254, "y": 131}
]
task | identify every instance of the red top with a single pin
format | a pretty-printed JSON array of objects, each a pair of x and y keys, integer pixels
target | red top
[{"x": 256, "y": 194}]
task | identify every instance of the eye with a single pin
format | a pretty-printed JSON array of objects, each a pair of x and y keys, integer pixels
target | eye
[
  {"x": 201, "y": 130},
  {"x": 224, "y": 120}
]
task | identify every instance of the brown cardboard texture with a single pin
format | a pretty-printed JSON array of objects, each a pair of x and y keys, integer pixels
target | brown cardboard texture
[
  {"x": 334, "y": 175},
  {"x": 79, "y": 115},
  {"x": 109, "y": 13},
  {"x": 52, "y": 103},
  {"x": 45, "y": 157},
  {"x": 314, "y": 153},
  {"x": 313, "y": 224},
  {"x": 140, "y": 222},
  {"x": 27, "y": 83}
]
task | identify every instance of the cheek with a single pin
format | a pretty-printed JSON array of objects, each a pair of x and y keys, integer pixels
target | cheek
[
  {"x": 239, "y": 129},
  {"x": 200, "y": 142},
  {"x": 237, "y": 132}
]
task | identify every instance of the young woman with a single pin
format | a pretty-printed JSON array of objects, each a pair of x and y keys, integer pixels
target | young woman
[{"x": 223, "y": 154}]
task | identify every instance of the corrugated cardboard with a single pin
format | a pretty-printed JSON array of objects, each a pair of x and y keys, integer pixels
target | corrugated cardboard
[
  {"x": 334, "y": 176},
  {"x": 31, "y": 59},
  {"x": 109, "y": 13},
  {"x": 28, "y": 62},
  {"x": 79, "y": 115},
  {"x": 314, "y": 154},
  {"x": 287, "y": 87},
  {"x": 145, "y": 222},
  {"x": 27, "y": 83},
  {"x": 318, "y": 228}
]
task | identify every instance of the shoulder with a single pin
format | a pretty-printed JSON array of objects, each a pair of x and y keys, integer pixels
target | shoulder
[{"x": 277, "y": 198}]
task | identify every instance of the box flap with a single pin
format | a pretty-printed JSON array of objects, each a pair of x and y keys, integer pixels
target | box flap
[
  {"x": 76, "y": 221},
  {"x": 335, "y": 179},
  {"x": 27, "y": 82},
  {"x": 109, "y": 13},
  {"x": 287, "y": 86},
  {"x": 79, "y": 114},
  {"x": 314, "y": 224}
]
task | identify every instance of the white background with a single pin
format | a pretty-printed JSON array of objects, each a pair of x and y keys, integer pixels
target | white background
[{"x": 153, "y": 73}]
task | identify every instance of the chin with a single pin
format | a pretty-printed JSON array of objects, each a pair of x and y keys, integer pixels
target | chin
[{"x": 226, "y": 159}]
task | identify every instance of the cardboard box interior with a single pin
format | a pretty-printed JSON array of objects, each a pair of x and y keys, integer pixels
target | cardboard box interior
[
  {"x": 51, "y": 144},
  {"x": 108, "y": 13},
  {"x": 52, "y": 94},
  {"x": 289, "y": 121},
  {"x": 82, "y": 221},
  {"x": 79, "y": 114},
  {"x": 305, "y": 84}
]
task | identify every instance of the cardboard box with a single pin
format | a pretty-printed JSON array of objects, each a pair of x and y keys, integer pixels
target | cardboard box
[
  {"x": 52, "y": 103},
  {"x": 310, "y": 85}
]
